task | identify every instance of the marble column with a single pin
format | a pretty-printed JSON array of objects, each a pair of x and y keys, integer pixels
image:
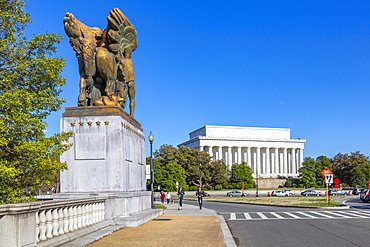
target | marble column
[
  {"x": 239, "y": 151},
  {"x": 249, "y": 160},
  {"x": 220, "y": 153},
  {"x": 211, "y": 153},
  {"x": 268, "y": 161},
  {"x": 285, "y": 161},
  {"x": 300, "y": 158},
  {"x": 294, "y": 166},
  {"x": 258, "y": 163},
  {"x": 276, "y": 163},
  {"x": 229, "y": 157},
  {"x": 201, "y": 148}
]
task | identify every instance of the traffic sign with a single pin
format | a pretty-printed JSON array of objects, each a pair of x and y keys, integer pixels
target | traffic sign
[
  {"x": 326, "y": 171},
  {"x": 329, "y": 178}
]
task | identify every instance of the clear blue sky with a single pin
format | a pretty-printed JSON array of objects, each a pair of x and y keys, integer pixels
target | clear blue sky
[{"x": 302, "y": 65}]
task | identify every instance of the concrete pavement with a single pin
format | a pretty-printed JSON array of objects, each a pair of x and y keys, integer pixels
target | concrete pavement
[{"x": 187, "y": 227}]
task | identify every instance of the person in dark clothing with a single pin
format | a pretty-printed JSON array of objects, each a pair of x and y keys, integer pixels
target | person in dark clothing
[
  {"x": 200, "y": 193},
  {"x": 180, "y": 194},
  {"x": 163, "y": 196}
]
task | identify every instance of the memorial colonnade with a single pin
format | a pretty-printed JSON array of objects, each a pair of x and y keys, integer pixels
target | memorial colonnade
[{"x": 270, "y": 152}]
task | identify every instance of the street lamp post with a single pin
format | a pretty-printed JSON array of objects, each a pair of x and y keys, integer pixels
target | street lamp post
[{"x": 151, "y": 139}]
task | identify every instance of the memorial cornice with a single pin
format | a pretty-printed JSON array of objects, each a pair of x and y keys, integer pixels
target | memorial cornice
[
  {"x": 242, "y": 139},
  {"x": 89, "y": 111}
]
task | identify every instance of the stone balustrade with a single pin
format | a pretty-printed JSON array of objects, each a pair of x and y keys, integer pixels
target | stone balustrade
[
  {"x": 60, "y": 220},
  {"x": 56, "y": 222}
]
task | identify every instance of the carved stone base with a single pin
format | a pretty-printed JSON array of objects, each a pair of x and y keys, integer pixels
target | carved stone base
[{"x": 108, "y": 152}]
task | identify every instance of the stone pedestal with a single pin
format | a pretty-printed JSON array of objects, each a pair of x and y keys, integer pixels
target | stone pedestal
[{"x": 108, "y": 152}]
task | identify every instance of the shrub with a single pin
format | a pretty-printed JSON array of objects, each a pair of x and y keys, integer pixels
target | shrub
[
  {"x": 208, "y": 187},
  {"x": 288, "y": 183},
  {"x": 218, "y": 187},
  {"x": 193, "y": 188}
]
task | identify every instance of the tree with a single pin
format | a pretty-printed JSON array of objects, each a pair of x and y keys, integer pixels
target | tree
[
  {"x": 196, "y": 164},
  {"x": 242, "y": 173},
  {"x": 349, "y": 167},
  {"x": 29, "y": 92},
  {"x": 219, "y": 173}
]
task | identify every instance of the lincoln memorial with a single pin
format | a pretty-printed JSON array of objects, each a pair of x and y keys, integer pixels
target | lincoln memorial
[{"x": 268, "y": 151}]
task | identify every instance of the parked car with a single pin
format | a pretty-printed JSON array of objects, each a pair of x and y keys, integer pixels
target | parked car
[
  {"x": 363, "y": 193},
  {"x": 337, "y": 193},
  {"x": 279, "y": 193},
  {"x": 289, "y": 192},
  {"x": 235, "y": 193},
  {"x": 357, "y": 191},
  {"x": 310, "y": 193}
]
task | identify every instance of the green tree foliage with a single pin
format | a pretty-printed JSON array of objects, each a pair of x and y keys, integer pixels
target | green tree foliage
[
  {"x": 167, "y": 174},
  {"x": 242, "y": 173},
  {"x": 310, "y": 171},
  {"x": 351, "y": 169},
  {"x": 219, "y": 174},
  {"x": 29, "y": 91},
  {"x": 196, "y": 164}
]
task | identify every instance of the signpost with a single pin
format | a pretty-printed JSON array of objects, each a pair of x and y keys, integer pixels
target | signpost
[{"x": 328, "y": 174}]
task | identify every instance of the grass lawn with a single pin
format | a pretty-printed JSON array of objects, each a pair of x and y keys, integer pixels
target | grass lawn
[{"x": 283, "y": 200}]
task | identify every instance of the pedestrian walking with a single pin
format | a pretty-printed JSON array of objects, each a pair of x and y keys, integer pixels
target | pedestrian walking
[
  {"x": 180, "y": 194},
  {"x": 200, "y": 193},
  {"x": 163, "y": 196},
  {"x": 168, "y": 197}
]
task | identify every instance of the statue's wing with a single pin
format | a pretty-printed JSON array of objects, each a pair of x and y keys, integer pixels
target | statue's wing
[
  {"x": 73, "y": 30},
  {"x": 121, "y": 33},
  {"x": 77, "y": 31}
]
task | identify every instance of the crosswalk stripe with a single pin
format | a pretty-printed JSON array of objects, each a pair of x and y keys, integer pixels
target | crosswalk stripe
[
  {"x": 232, "y": 216},
  {"x": 361, "y": 212},
  {"x": 262, "y": 216},
  {"x": 307, "y": 215},
  {"x": 247, "y": 216},
  {"x": 290, "y": 214},
  {"x": 356, "y": 215},
  {"x": 340, "y": 215},
  {"x": 277, "y": 215},
  {"x": 324, "y": 215}
]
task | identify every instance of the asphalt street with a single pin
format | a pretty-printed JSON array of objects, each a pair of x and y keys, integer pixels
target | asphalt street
[{"x": 256, "y": 225}]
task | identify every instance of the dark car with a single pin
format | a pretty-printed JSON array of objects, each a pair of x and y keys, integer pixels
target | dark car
[
  {"x": 357, "y": 191},
  {"x": 363, "y": 194},
  {"x": 310, "y": 193}
]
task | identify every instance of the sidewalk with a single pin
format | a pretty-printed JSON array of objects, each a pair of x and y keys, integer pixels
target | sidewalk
[{"x": 187, "y": 227}]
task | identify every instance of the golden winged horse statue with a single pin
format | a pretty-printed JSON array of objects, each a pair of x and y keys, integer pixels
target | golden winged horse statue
[{"x": 104, "y": 60}]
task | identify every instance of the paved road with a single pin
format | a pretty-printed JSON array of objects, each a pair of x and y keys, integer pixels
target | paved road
[{"x": 254, "y": 225}]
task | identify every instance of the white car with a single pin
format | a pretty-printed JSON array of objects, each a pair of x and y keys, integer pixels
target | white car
[
  {"x": 289, "y": 192},
  {"x": 279, "y": 193}
]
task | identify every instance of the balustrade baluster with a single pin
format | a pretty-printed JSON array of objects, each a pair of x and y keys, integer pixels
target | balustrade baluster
[
  {"x": 75, "y": 218},
  {"x": 98, "y": 212},
  {"x": 66, "y": 219},
  {"x": 61, "y": 221},
  {"x": 94, "y": 212},
  {"x": 89, "y": 215},
  {"x": 55, "y": 217},
  {"x": 83, "y": 209},
  {"x": 70, "y": 219},
  {"x": 102, "y": 208},
  {"x": 37, "y": 227},
  {"x": 49, "y": 224},
  {"x": 79, "y": 217},
  {"x": 42, "y": 218}
]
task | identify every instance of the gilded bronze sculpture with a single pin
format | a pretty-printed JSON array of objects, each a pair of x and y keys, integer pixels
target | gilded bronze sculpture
[{"x": 104, "y": 58}]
